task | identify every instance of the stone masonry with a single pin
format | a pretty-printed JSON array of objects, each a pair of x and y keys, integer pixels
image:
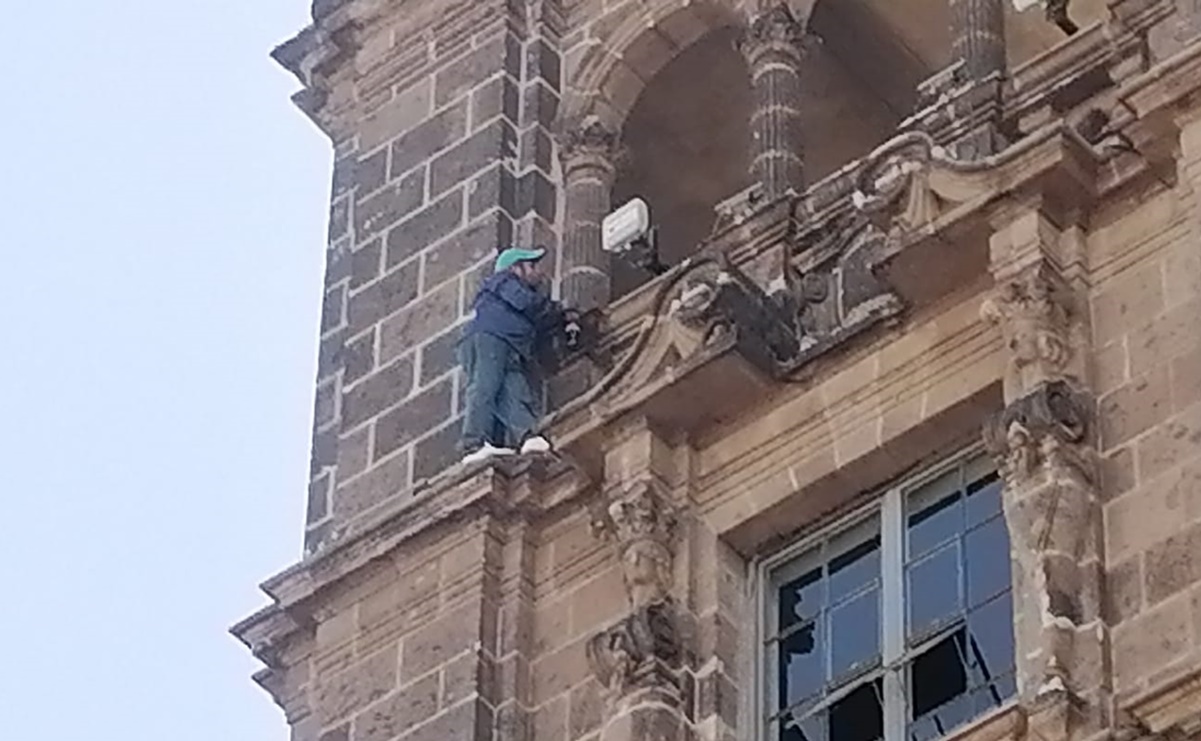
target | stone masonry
[{"x": 1014, "y": 268}]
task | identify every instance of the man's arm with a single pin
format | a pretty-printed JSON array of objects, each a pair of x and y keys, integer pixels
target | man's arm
[{"x": 520, "y": 297}]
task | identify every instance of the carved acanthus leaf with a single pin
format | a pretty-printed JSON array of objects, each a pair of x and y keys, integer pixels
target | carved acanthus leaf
[
  {"x": 590, "y": 139},
  {"x": 776, "y": 24}
]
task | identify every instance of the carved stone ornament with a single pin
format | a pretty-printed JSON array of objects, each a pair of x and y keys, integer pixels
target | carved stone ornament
[
  {"x": 643, "y": 525},
  {"x": 590, "y": 139},
  {"x": 775, "y": 26},
  {"x": 643, "y": 650},
  {"x": 1040, "y": 442},
  {"x": 1033, "y": 314}
]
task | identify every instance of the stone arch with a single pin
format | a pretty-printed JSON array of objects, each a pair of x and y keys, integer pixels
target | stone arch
[{"x": 614, "y": 70}]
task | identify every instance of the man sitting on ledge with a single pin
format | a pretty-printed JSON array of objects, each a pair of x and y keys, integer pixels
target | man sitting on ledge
[{"x": 513, "y": 314}]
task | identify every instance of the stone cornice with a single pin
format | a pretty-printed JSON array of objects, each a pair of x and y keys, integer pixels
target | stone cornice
[{"x": 1171, "y": 709}]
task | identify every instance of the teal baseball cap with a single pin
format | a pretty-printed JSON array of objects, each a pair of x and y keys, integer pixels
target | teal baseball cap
[{"x": 513, "y": 255}]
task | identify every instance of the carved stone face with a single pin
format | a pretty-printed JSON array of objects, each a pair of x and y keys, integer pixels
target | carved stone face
[{"x": 646, "y": 566}]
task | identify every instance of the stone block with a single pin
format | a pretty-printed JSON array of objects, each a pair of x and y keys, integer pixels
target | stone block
[
  {"x": 1124, "y": 590},
  {"x": 337, "y": 262},
  {"x": 440, "y": 355},
  {"x": 1110, "y": 366},
  {"x": 1134, "y": 298},
  {"x": 432, "y": 315},
  {"x": 598, "y": 602},
  {"x": 410, "y": 599},
  {"x": 1117, "y": 473},
  {"x": 559, "y": 671},
  {"x": 371, "y": 173},
  {"x": 585, "y": 709},
  {"x": 500, "y": 54},
  {"x": 495, "y": 142},
  {"x": 423, "y": 142},
  {"x": 338, "y": 695},
  {"x": 1135, "y": 407},
  {"x": 384, "y": 297},
  {"x": 388, "y": 206},
  {"x": 1174, "y": 565},
  {"x": 1151, "y": 641},
  {"x": 552, "y": 625},
  {"x": 421, "y": 414},
  {"x": 339, "y": 219},
  {"x": 405, "y": 111},
  {"x": 450, "y": 634},
  {"x": 324, "y": 451},
  {"x": 425, "y": 228},
  {"x": 318, "y": 502},
  {"x": 470, "y": 721},
  {"x": 550, "y": 720},
  {"x": 1169, "y": 443},
  {"x": 366, "y": 263},
  {"x": 1182, "y": 272},
  {"x": 354, "y": 453},
  {"x": 343, "y": 175},
  {"x": 467, "y": 248},
  {"x": 359, "y": 356},
  {"x": 1171, "y": 334},
  {"x": 537, "y": 149},
  {"x": 537, "y": 194},
  {"x": 329, "y": 354},
  {"x": 497, "y": 97},
  {"x": 437, "y": 452},
  {"x": 472, "y": 279},
  {"x": 464, "y": 676},
  {"x": 341, "y": 733},
  {"x": 1185, "y": 371},
  {"x": 392, "y": 716},
  {"x": 378, "y": 392},
  {"x": 496, "y": 187},
  {"x": 1141, "y": 518},
  {"x": 386, "y": 479},
  {"x": 539, "y": 105},
  {"x": 325, "y": 403}
]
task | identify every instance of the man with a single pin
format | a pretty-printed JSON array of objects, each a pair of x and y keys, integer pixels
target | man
[{"x": 512, "y": 316}]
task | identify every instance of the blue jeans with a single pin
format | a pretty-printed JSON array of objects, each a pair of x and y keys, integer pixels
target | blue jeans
[{"x": 501, "y": 407}]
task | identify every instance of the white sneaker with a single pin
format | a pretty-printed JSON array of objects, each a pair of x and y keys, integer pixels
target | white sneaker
[
  {"x": 535, "y": 445},
  {"x": 485, "y": 452}
]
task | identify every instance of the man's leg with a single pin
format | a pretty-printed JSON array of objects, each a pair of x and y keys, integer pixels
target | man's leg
[
  {"x": 517, "y": 406},
  {"x": 483, "y": 358}
]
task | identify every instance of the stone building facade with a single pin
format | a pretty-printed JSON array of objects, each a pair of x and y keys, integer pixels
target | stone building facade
[{"x": 905, "y": 443}]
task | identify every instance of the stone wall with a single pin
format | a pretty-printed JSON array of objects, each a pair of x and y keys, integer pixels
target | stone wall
[{"x": 443, "y": 154}]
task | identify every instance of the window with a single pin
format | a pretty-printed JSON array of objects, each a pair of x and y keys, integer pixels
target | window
[{"x": 898, "y": 625}]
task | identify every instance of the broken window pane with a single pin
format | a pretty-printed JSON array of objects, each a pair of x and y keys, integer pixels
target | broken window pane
[
  {"x": 801, "y": 599},
  {"x": 801, "y": 665},
  {"x": 935, "y": 525},
  {"x": 854, "y": 569},
  {"x": 812, "y": 728},
  {"x": 933, "y": 591},
  {"x": 938, "y": 680},
  {"x": 860, "y": 715},
  {"x": 991, "y": 631}
]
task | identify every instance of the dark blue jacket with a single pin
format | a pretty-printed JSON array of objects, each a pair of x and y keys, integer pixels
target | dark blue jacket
[{"x": 508, "y": 308}]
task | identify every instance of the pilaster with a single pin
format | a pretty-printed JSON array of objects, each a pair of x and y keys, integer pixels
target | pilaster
[{"x": 1044, "y": 443}]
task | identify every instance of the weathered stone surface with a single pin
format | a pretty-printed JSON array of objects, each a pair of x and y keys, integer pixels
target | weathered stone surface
[
  {"x": 439, "y": 355},
  {"x": 371, "y": 174},
  {"x": 366, "y": 263},
  {"x": 338, "y": 695},
  {"x": 333, "y": 308},
  {"x": 432, "y": 136},
  {"x": 392, "y": 716},
  {"x": 496, "y": 187},
  {"x": 425, "y": 319},
  {"x": 384, "y": 480},
  {"x": 1134, "y": 408},
  {"x": 437, "y": 452},
  {"x": 409, "y": 421},
  {"x": 318, "y": 506},
  {"x": 390, "y": 205},
  {"x": 497, "y": 97},
  {"x": 496, "y": 142},
  {"x": 359, "y": 357},
  {"x": 479, "y": 241},
  {"x": 384, "y": 297},
  {"x": 469, "y": 721},
  {"x": 378, "y": 392},
  {"x": 425, "y": 228},
  {"x": 1174, "y": 565},
  {"x": 501, "y": 54},
  {"x": 448, "y": 636},
  {"x": 405, "y": 111}
]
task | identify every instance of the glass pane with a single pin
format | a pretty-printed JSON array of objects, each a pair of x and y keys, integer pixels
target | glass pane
[
  {"x": 994, "y": 695},
  {"x": 933, "y": 595},
  {"x": 801, "y": 599},
  {"x": 854, "y": 569},
  {"x": 987, "y": 561},
  {"x": 935, "y": 524},
  {"x": 990, "y": 652},
  {"x": 858, "y": 716},
  {"x": 801, "y": 665},
  {"x": 938, "y": 699},
  {"x": 983, "y": 499},
  {"x": 854, "y": 635},
  {"x": 812, "y": 728}
]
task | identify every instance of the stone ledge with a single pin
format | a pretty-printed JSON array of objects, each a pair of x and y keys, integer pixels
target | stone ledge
[{"x": 1173, "y": 706}]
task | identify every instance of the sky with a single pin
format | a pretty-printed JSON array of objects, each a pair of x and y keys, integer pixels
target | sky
[{"x": 162, "y": 212}]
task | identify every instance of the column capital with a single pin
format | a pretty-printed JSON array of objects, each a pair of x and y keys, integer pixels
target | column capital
[
  {"x": 776, "y": 26},
  {"x": 589, "y": 142}
]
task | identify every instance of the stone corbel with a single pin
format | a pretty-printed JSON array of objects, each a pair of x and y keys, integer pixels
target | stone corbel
[
  {"x": 642, "y": 523},
  {"x": 1033, "y": 312},
  {"x": 641, "y": 652}
]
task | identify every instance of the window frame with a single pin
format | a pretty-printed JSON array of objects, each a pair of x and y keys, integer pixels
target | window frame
[{"x": 887, "y": 504}]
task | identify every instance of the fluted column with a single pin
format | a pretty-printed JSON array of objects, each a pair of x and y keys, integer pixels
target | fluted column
[
  {"x": 589, "y": 152},
  {"x": 978, "y": 36},
  {"x": 773, "y": 45}
]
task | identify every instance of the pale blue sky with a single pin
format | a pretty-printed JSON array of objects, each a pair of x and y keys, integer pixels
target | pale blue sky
[{"x": 163, "y": 210}]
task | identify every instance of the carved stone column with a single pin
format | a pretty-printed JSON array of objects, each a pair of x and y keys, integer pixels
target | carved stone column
[
  {"x": 1043, "y": 441},
  {"x": 589, "y": 152},
  {"x": 640, "y": 660},
  {"x": 978, "y": 40},
  {"x": 773, "y": 45}
]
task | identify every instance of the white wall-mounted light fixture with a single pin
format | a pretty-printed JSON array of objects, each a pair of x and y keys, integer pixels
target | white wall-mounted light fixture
[{"x": 628, "y": 232}]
